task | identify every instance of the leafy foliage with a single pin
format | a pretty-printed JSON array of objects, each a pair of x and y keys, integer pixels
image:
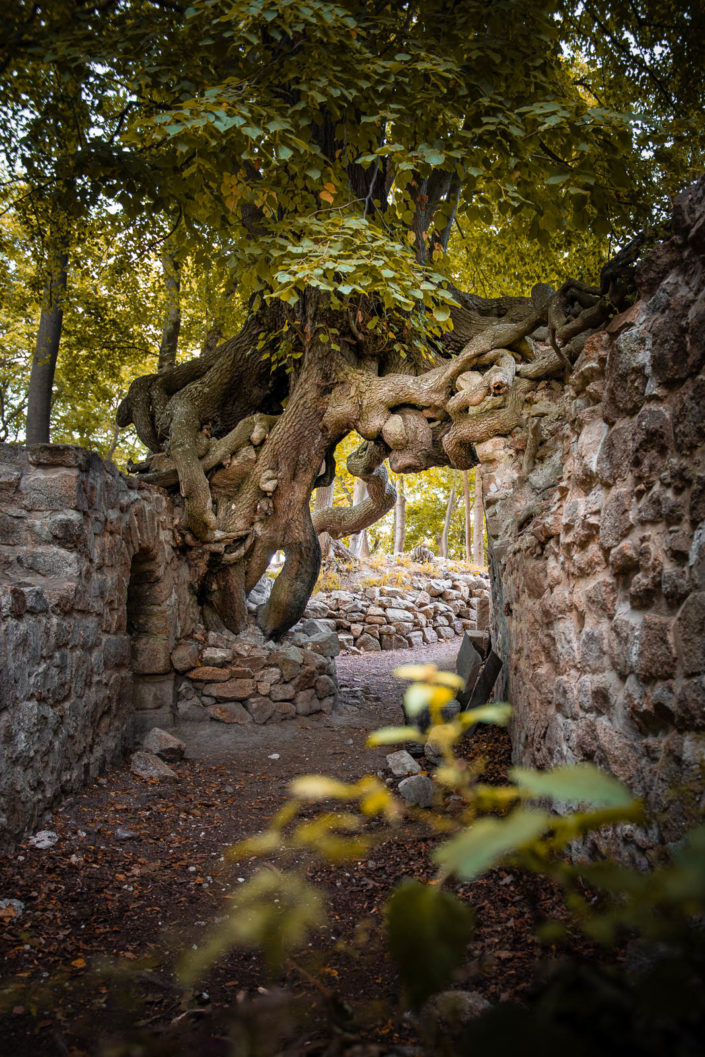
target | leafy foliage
[
  {"x": 511, "y": 127},
  {"x": 428, "y": 930}
]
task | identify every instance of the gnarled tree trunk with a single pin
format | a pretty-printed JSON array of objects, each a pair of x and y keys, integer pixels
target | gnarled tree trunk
[{"x": 247, "y": 445}]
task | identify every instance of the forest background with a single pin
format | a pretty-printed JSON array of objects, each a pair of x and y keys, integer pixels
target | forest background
[{"x": 108, "y": 253}]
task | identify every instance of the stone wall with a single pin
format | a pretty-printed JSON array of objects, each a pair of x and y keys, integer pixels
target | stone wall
[
  {"x": 426, "y": 609},
  {"x": 100, "y": 633},
  {"x": 88, "y": 576},
  {"x": 596, "y": 521},
  {"x": 245, "y": 679}
]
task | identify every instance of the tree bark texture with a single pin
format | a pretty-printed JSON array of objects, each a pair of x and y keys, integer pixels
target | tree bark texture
[
  {"x": 400, "y": 520},
  {"x": 450, "y": 510},
  {"x": 324, "y": 500},
  {"x": 46, "y": 352},
  {"x": 172, "y": 318},
  {"x": 468, "y": 516},
  {"x": 478, "y": 523}
]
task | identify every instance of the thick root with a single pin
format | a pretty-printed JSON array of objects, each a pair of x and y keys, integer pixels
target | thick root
[{"x": 295, "y": 583}]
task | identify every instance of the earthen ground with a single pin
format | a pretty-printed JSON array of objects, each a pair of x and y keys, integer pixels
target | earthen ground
[{"x": 139, "y": 874}]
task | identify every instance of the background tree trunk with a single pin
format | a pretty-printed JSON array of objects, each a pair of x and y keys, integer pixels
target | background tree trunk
[
  {"x": 400, "y": 518},
  {"x": 468, "y": 517},
  {"x": 359, "y": 544},
  {"x": 172, "y": 319},
  {"x": 450, "y": 510},
  {"x": 324, "y": 499},
  {"x": 478, "y": 555},
  {"x": 46, "y": 352}
]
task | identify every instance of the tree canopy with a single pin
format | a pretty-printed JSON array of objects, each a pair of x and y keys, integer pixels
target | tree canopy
[{"x": 358, "y": 176}]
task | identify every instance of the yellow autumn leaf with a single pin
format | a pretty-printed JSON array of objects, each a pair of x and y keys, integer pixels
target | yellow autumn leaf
[{"x": 319, "y": 787}]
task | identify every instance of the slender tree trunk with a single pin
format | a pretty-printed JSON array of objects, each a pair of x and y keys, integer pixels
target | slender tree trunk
[
  {"x": 172, "y": 319},
  {"x": 450, "y": 510},
  {"x": 324, "y": 499},
  {"x": 400, "y": 518},
  {"x": 41, "y": 381},
  {"x": 478, "y": 521},
  {"x": 468, "y": 517},
  {"x": 359, "y": 544}
]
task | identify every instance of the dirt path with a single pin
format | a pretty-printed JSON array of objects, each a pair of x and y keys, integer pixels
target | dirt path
[
  {"x": 139, "y": 873},
  {"x": 371, "y": 697}
]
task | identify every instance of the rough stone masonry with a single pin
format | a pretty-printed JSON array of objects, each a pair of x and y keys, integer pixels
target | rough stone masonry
[
  {"x": 596, "y": 519},
  {"x": 101, "y": 635},
  {"x": 596, "y": 523}
]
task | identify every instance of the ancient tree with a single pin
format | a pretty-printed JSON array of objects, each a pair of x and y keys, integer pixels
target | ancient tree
[{"x": 344, "y": 146}]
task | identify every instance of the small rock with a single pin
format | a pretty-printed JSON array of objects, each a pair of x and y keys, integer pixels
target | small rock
[
  {"x": 184, "y": 656},
  {"x": 192, "y": 712},
  {"x": 209, "y": 674},
  {"x": 273, "y": 756},
  {"x": 400, "y": 763},
  {"x": 147, "y": 765},
  {"x": 46, "y": 838},
  {"x": 232, "y": 712},
  {"x": 261, "y": 708},
  {"x": 216, "y": 657},
  {"x": 455, "y": 1008},
  {"x": 432, "y": 753},
  {"x": 11, "y": 909},
  {"x": 121, "y": 833},
  {"x": 417, "y": 790},
  {"x": 163, "y": 744},
  {"x": 232, "y": 690}
]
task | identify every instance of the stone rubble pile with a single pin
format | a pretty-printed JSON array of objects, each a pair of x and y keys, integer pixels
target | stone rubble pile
[
  {"x": 396, "y": 618},
  {"x": 245, "y": 679}
]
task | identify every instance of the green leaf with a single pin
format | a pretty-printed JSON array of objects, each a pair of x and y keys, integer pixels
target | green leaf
[
  {"x": 484, "y": 844},
  {"x": 416, "y": 699},
  {"x": 433, "y": 157},
  {"x": 428, "y": 931},
  {"x": 441, "y": 313},
  {"x": 284, "y": 152},
  {"x": 499, "y": 713},
  {"x": 392, "y": 735},
  {"x": 582, "y": 784}
]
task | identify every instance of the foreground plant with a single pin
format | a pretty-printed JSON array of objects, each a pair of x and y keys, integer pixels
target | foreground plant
[{"x": 482, "y": 826}]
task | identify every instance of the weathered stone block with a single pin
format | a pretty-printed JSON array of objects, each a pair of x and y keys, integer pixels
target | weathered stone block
[
  {"x": 232, "y": 690},
  {"x": 288, "y": 661},
  {"x": 209, "y": 675},
  {"x": 690, "y": 634},
  {"x": 164, "y": 745},
  {"x": 307, "y": 702},
  {"x": 147, "y": 765},
  {"x": 151, "y": 655},
  {"x": 417, "y": 790},
  {"x": 325, "y": 686},
  {"x": 655, "y": 658},
  {"x": 616, "y": 517},
  {"x": 262, "y": 709},
  {"x": 153, "y": 691},
  {"x": 229, "y": 712},
  {"x": 184, "y": 656},
  {"x": 116, "y": 651},
  {"x": 283, "y": 692}
]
